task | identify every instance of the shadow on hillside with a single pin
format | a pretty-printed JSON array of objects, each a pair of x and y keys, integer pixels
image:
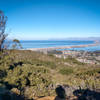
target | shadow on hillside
[
  {"x": 7, "y": 85},
  {"x": 6, "y": 94},
  {"x": 61, "y": 94},
  {"x": 86, "y": 94},
  {"x": 10, "y": 96},
  {"x": 80, "y": 94},
  {"x": 15, "y": 65}
]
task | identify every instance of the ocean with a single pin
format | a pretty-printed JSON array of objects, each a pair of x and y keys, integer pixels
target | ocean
[{"x": 57, "y": 43}]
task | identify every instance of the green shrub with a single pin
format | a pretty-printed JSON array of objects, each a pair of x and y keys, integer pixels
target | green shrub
[
  {"x": 66, "y": 71},
  {"x": 28, "y": 75},
  {"x": 89, "y": 72}
]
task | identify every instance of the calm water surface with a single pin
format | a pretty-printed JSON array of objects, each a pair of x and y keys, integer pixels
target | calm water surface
[{"x": 50, "y": 43}]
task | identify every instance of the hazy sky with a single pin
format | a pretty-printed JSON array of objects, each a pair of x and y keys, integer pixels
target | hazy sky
[{"x": 44, "y": 19}]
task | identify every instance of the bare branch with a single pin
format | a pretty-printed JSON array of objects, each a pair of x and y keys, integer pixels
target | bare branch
[{"x": 3, "y": 35}]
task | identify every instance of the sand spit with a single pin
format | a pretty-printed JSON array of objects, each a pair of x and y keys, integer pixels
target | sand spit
[{"x": 96, "y": 43}]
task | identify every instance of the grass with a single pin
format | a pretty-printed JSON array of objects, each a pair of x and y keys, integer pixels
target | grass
[
  {"x": 66, "y": 71},
  {"x": 73, "y": 61}
]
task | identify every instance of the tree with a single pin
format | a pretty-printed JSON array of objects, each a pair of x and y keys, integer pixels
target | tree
[
  {"x": 16, "y": 44},
  {"x": 3, "y": 35}
]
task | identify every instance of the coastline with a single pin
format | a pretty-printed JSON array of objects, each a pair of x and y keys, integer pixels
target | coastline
[{"x": 96, "y": 43}]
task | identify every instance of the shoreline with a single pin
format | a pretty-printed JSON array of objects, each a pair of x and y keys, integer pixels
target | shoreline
[{"x": 96, "y": 43}]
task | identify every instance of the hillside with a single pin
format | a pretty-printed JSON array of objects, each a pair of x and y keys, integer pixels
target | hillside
[{"x": 30, "y": 75}]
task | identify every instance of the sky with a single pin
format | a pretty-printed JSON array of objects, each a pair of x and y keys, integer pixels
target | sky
[{"x": 51, "y": 19}]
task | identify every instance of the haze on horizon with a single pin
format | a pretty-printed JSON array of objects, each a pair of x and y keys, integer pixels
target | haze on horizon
[{"x": 48, "y": 19}]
